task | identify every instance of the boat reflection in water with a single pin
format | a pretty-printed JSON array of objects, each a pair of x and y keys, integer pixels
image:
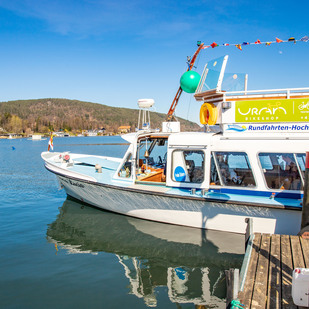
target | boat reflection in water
[{"x": 190, "y": 262}]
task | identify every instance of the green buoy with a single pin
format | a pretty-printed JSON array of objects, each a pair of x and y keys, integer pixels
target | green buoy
[{"x": 189, "y": 81}]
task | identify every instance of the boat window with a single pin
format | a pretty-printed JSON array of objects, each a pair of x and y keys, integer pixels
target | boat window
[
  {"x": 281, "y": 170},
  {"x": 231, "y": 169},
  {"x": 126, "y": 168},
  {"x": 151, "y": 159},
  {"x": 188, "y": 166}
]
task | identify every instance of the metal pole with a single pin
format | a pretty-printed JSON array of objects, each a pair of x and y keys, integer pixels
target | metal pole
[
  {"x": 170, "y": 115},
  {"x": 305, "y": 210}
]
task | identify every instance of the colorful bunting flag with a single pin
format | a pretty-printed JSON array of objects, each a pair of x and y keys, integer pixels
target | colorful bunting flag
[{"x": 291, "y": 39}]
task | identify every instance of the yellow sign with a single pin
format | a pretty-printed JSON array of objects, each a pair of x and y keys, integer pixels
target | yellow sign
[{"x": 280, "y": 110}]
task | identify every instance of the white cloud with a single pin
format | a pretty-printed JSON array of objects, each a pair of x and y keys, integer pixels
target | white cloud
[
  {"x": 81, "y": 17},
  {"x": 97, "y": 17}
]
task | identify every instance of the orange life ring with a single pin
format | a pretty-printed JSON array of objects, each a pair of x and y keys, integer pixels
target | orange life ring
[{"x": 208, "y": 114}]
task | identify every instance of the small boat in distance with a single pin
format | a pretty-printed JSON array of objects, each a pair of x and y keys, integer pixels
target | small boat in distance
[
  {"x": 37, "y": 137},
  {"x": 248, "y": 163}
]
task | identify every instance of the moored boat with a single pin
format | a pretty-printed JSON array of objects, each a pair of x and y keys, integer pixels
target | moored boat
[
  {"x": 37, "y": 137},
  {"x": 248, "y": 163}
]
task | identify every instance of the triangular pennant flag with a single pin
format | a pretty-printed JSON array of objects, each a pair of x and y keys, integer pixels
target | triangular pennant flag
[
  {"x": 278, "y": 40},
  {"x": 257, "y": 42},
  {"x": 292, "y": 40},
  {"x": 238, "y": 46},
  {"x": 267, "y": 43},
  {"x": 226, "y": 44},
  {"x": 305, "y": 38},
  {"x": 245, "y": 43},
  {"x": 214, "y": 44}
]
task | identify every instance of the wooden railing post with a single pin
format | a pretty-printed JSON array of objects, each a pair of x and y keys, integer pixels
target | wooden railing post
[
  {"x": 249, "y": 230},
  {"x": 232, "y": 285}
]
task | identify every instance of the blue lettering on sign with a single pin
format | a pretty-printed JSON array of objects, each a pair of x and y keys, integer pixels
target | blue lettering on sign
[{"x": 179, "y": 174}]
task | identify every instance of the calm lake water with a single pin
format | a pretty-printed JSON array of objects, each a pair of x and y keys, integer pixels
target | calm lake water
[{"x": 58, "y": 253}]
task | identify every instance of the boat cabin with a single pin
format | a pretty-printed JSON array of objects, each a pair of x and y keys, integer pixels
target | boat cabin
[{"x": 206, "y": 161}]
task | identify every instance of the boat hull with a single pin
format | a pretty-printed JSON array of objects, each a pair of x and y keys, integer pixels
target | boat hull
[{"x": 179, "y": 210}]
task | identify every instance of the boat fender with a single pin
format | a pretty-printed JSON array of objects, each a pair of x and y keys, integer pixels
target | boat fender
[
  {"x": 66, "y": 158},
  {"x": 208, "y": 114}
]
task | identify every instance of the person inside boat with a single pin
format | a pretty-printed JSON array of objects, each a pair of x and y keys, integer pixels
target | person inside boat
[
  {"x": 224, "y": 168},
  {"x": 291, "y": 174}
]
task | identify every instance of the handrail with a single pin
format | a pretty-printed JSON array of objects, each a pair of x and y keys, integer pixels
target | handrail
[{"x": 286, "y": 90}]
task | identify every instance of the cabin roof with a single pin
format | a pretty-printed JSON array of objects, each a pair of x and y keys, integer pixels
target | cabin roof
[{"x": 190, "y": 138}]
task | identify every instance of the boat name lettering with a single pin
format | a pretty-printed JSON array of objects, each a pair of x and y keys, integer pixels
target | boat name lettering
[{"x": 77, "y": 184}]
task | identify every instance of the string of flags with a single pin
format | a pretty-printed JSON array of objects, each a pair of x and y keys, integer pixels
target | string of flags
[{"x": 239, "y": 46}]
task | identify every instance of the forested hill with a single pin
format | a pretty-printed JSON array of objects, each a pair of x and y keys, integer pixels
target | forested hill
[{"x": 43, "y": 115}]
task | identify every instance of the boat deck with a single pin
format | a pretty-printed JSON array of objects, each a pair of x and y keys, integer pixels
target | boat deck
[{"x": 269, "y": 264}]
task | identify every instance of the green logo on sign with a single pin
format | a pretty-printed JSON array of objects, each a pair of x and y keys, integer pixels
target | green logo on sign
[{"x": 281, "y": 110}]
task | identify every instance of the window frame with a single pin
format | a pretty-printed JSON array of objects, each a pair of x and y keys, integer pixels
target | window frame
[
  {"x": 188, "y": 183},
  {"x": 214, "y": 153},
  {"x": 281, "y": 153}
]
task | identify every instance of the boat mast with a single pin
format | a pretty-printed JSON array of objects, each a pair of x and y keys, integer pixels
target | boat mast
[{"x": 170, "y": 115}]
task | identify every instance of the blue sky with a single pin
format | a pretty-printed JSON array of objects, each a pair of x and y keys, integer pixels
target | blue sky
[{"x": 117, "y": 52}]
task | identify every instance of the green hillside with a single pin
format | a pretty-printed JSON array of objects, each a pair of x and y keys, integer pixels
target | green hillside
[{"x": 44, "y": 115}]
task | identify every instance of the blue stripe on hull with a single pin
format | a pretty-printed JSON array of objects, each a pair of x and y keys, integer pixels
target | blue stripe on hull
[{"x": 285, "y": 194}]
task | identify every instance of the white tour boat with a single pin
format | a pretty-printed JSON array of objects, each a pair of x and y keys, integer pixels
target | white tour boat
[{"x": 248, "y": 163}]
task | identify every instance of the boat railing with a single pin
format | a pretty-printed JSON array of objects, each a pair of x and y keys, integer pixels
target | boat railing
[
  {"x": 286, "y": 93},
  {"x": 214, "y": 96}
]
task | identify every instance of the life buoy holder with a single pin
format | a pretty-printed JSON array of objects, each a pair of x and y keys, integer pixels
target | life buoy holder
[{"x": 208, "y": 114}]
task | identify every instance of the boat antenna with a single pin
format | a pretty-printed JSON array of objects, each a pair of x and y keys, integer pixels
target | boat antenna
[{"x": 190, "y": 61}]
